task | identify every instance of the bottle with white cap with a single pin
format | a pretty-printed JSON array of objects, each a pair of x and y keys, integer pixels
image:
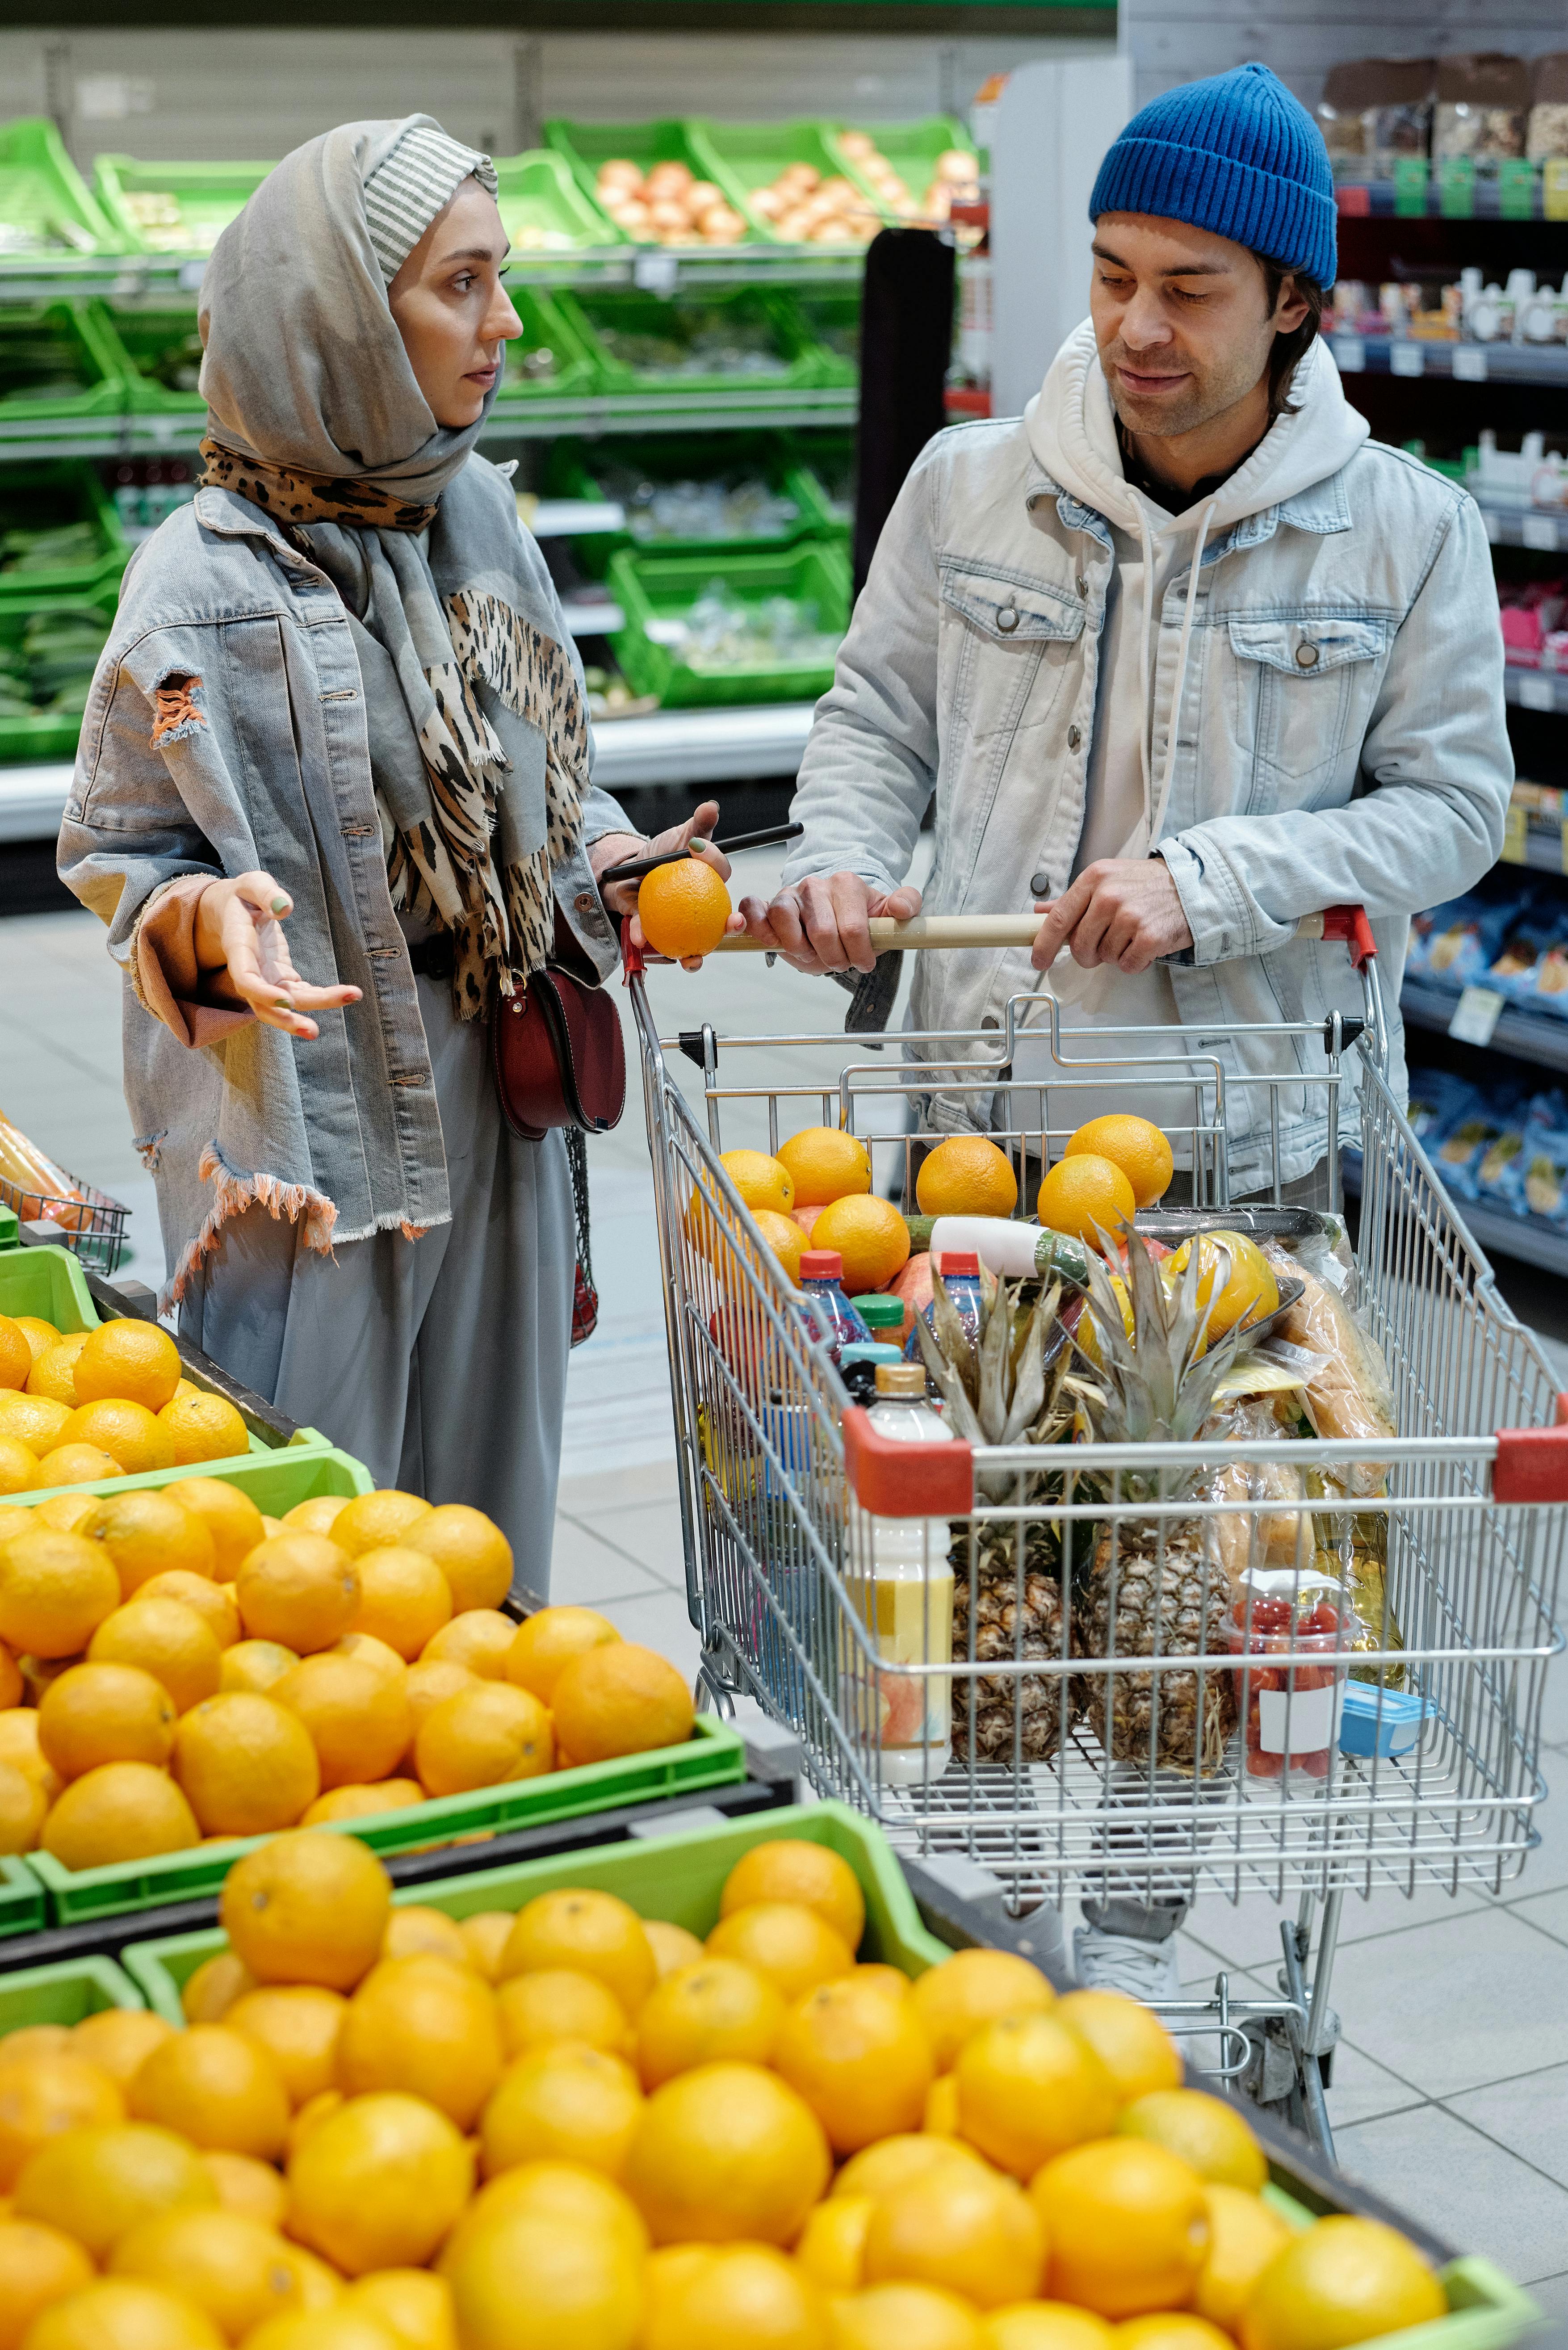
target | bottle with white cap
[{"x": 901, "y": 1585}]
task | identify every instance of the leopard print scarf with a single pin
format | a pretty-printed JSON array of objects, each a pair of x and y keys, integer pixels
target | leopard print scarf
[{"x": 440, "y": 865}]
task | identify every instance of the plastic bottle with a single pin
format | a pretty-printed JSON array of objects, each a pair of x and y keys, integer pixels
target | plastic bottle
[
  {"x": 836, "y": 1321},
  {"x": 858, "y": 1365},
  {"x": 960, "y": 1270},
  {"x": 903, "y": 1585},
  {"x": 883, "y": 1316}
]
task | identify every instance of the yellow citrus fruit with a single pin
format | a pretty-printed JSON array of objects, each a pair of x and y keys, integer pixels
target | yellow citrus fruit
[
  {"x": 54, "y": 1372},
  {"x": 784, "y": 1241},
  {"x": 961, "y": 2228},
  {"x": 426, "y": 1683},
  {"x": 245, "y": 2185},
  {"x": 483, "y": 1737},
  {"x": 23, "y": 1807},
  {"x": 19, "y": 1746},
  {"x": 133, "y": 1359},
  {"x": 562, "y": 2102},
  {"x": 966, "y": 1176},
  {"x": 1084, "y": 1196},
  {"x": 371, "y": 1521},
  {"x": 354, "y": 1802},
  {"x": 42, "y": 2097},
  {"x": 118, "y": 2038},
  {"x": 480, "y": 1639},
  {"x": 789, "y": 1869},
  {"x": 125, "y": 2313},
  {"x": 317, "y": 1515},
  {"x": 66, "y": 1513},
  {"x": 15, "y": 1517},
  {"x": 593, "y": 1933},
  {"x": 306, "y": 1908},
  {"x": 941, "y": 2114},
  {"x": 1126, "y": 2227},
  {"x": 1132, "y": 2044},
  {"x": 795, "y": 1947},
  {"x": 551, "y": 1639},
  {"x": 211, "y": 1989},
  {"x": 470, "y": 1549},
  {"x": 739, "y": 2293},
  {"x": 414, "y": 2306},
  {"x": 971, "y": 1989},
  {"x": 831, "y": 2247},
  {"x": 358, "y": 1719},
  {"x": 76, "y": 1464},
  {"x": 105, "y": 1713},
  {"x": 10, "y": 1675},
  {"x": 485, "y": 1935},
  {"x": 1171, "y": 2329},
  {"x": 40, "y": 1335},
  {"x": 128, "y": 1432},
  {"x": 213, "y": 1602},
  {"x": 364, "y": 1648},
  {"x": 1207, "y": 2132},
  {"x": 33, "y": 1420},
  {"x": 1028, "y": 2089},
  {"x": 310, "y": 2115},
  {"x": 121, "y": 1811},
  {"x": 217, "y": 2087},
  {"x": 536, "y": 2010},
  {"x": 22, "y": 1468},
  {"x": 38, "y": 2266},
  {"x": 247, "y": 1765},
  {"x": 165, "y": 1639},
  {"x": 404, "y": 1597},
  {"x": 202, "y": 1427},
  {"x": 150, "y": 1533},
  {"x": 1134, "y": 1145},
  {"x": 1045, "y": 2325},
  {"x": 760, "y": 1181},
  {"x": 54, "y": 1591},
  {"x": 96, "y": 2182},
  {"x": 15, "y": 1354},
  {"x": 672, "y": 1946},
  {"x": 1244, "y": 2235},
  {"x": 824, "y": 1164},
  {"x": 904, "y": 2317},
  {"x": 894, "y": 2163},
  {"x": 1248, "y": 1289},
  {"x": 727, "y": 2151},
  {"x": 378, "y": 2182},
  {"x": 1343, "y": 2281},
  {"x": 555, "y": 2191},
  {"x": 714, "y": 2011},
  {"x": 415, "y": 1931},
  {"x": 861, "y": 2061},
  {"x": 231, "y": 2267},
  {"x": 870, "y": 1236},
  {"x": 253, "y": 1666},
  {"x": 427, "y": 2028},
  {"x": 585, "y": 2286},
  {"x": 301, "y": 1589},
  {"x": 231, "y": 1517},
  {"x": 684, "y": 908},
  {"x": 622, "y": 1698}
]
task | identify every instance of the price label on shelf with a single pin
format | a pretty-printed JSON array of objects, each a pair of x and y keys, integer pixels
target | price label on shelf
[
  {"x": 1469, "y": 363},
  {"x": 1480, "y": 1009},
  {"x": 1350, "y": 353},
  {"x": 1555, "y": 187},
  {"x": 1516, "y": 829},
  {"x": 1539, "y": 531},
  {"x": 1536, "y": 692},
  {"x": 1407, "y": 358}
]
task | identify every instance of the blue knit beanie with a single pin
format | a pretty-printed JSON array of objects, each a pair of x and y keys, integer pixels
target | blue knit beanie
[{"x": 1236, "y": 154}]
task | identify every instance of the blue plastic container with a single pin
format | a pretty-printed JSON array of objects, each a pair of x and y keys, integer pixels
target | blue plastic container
[{"x": 1379, "y": 1721}]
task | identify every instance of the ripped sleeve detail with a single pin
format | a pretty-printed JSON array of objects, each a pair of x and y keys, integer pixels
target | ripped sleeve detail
[{"x": 178, "y": 708}]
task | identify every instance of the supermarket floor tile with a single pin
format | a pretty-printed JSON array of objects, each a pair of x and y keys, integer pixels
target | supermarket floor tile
[
  {"x": 1529, "y": 2116},
  {"x": 1467, "y": 2187},
  {"x": 1551, "y": 2293},
  {"x": 1453, "y": 2005},
  {"x": 586, "y": 1571}
]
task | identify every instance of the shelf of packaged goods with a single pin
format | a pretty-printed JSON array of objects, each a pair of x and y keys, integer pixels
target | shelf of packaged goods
[
  {"x": 1523, "y": 1033},
  {"x": 1535, "y": 689},
  {"x": 1542, "y": 850},
  {"x": 1543, "y": 363},
  {"x": 1487, "y": 197},
  {"x": 1545, "y": 529},
  {"x": 1529, "y": 1238}
]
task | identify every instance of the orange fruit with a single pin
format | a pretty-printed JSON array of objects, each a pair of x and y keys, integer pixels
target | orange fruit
[
  {"x": 404, "y": 1598},
  {"x": 40, "y": 1335},
  {"x": 480, "y": 1639},
  {"x": 255, "y": 1665},
  {"x": 247, "y": 1765},
  {"x": 1130, "y": 2041},
  {"x": 66, "y": 1513},
  {"x": 217, "y": 2087},
  {"x": 118, "y": 2038},
  {"x": 831, "y": 2247},
  {"x": 1027, "y": 2089},
  {"x": 15, "y": 1354},
  {"x": 961, "y": 2228},
  {"x": 42, "y": 2097},
  {"x": 1170, "y": 2329},
  {"x": 10, "y": 1676},
  {"x": 414, "y": 1931},
  {"x": 1206, "y": 2131},
  {"x": 1045, "y": 2325},
  {"x": 354, "y": 1802},
  {"x": 760, "y": 1181},
  {"x": 1134, "y": 1145},
  {"x": 313, "y": 2111},
  {"x": 35, "y": 1422},
  {"x": 1244, "y": 2235},
  {"x": 358, "y": 1719},
  {"x": 550, "y": 1640},
  {"x": 861, "y": 2061},
  {"x": 129, "y": 1359},
  {"x": 378, "y": 2182},
  {"x": 620, "y": 1698},
  {"x": 794, "y": 1945},
  {"x": 424, "y": 2026},
  {"x": 965, "y": 1175},
  {"x": 1126, "y": 2227},
  {"x": 714, "y": 2011},
  {"x": 76, "y": 1464},
  {"x": 231, "y": 2267},
  {"x": 300, "y": 1589},
  {"x": 1247, "y": 1291},
  {"x": 167, "y": 1639},
  {"x": 316, "y": 1515},
  {"x": 214, "y": 1602},
  {"x": 1084, "y": 1196},
  {"x": 788, "y": 1868},
  {"x": 485, "y": 1935},
  {"x": 231, "y": 1518},
  {"x": 364, "y": 1648},
  {"x": 561, "y": 2102},
  {"x": 740, "y": 2293},
  {"x": 23, "y": 1806},
  {"x": 124, "y": 2314},
  {"x": 121, "y": 1811},
  {"x": 202, "y": 1427},
  {"x": 904, "y": 2317},
  {"x": 38, "y": 2266},
  {"x": 414, "y": 2306},
  {"x": 105, "y": 1713},
  {"x": 246, "y": 2186},
  {"x": 54, "y": 1372},
  {"x": 38, "y": 2040},
  {"x": 211, "y": 1989},
  {"x": 470, "y": 1549},
  {"x": 22, "y": 1468},
  {"x": 481, "y": 1737},
  {"x": 724, "y": 2152},
  {"x": 54, "y": 1591},
  {"x": 593, "y": 1933},
  {"x": 16, "y": 1517},
  {"x": 871, "y": 1237},
  {"x": 426, "y": 1684},
  {"x": 321, "y": 2290},
  {"x": 784, "y": 1238},
  {"x": 971, "y": 1989},
  {"x": 306, "y": 1908},
  {"x": 556, "y": 2190},
  {"x": 371, "y": 1521},
  {"x": 684, "y": 909},
  {"x": 824, "y": 1164},
  {"x": 585, "y": 2286},
  {"x": 150, "y": 1533},
  {"x": 1343, "y": 2281},
  {"x": 672, "y": 1946},
  {"x": 128, "y": 1432},
  {"x": 298, "y": 2025},
  {"x": 556, "y": 2003},
  {"x": 97, "y": 2181}
]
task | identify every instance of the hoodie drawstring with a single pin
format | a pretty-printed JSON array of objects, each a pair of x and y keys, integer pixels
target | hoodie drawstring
[{"x": 1157, "y": 815}]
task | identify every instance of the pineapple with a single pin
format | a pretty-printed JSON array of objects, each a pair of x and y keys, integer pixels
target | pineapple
[
  {"x": 1156, "y": 1588},
  {"x": 1004, "y": 1393}
]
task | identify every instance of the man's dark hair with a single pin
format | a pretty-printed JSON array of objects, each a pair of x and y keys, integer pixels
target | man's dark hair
[{"x": 1289, "y": 350}]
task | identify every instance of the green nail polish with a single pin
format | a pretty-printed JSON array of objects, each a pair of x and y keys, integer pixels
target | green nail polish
[{"x": 279, "y": 905}]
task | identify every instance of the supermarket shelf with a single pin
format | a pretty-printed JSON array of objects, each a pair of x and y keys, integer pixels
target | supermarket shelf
[
  {"x": 601, "y": 620},
  {"x": 570, "y": 517},
  {"x": 1542, "y": 853},
  {"x": 1535, "y": 689},
  {"x": 1523, "y": 1033},
  {"x": 1543, "y": 528},
  {"x": 1375, "y": 199},
  {"x": 33, "y": 801},
  {"x": 701, "y": 746},
  {"x": 1543, "y": 363},
  {"x": 1527, "y": 1237}
]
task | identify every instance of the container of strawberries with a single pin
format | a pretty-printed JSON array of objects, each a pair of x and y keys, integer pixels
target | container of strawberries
[{"x": 1290, "y": 1698}]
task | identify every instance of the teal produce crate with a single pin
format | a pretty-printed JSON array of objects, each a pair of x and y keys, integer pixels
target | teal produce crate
[
  {"x": 752, "y": 154},
  {"x": 586, "y": 145},
  {"x": 714, "y": 1756},
  {"x": 22, "y": 1908},
  {"x": 548, "y": 361},
  {"x": 58, "y": 367},
  {"x": 159, "y": 353},
  {"x": 654, "y": 590},
  {"x": 734, "y": 340},
  {"x": 46, "y": 210},
  {"x": 181, "y": 208},
  {"x": 911, "y": 147},
  {"x": 64, "y": 1993},
  {"x": 81, "y": 549},
  {"x": 829, "y": 318},
  {"x": 617, "y": 469},
  {"x": 546, "y": 212},
  {"x": 41, "y": 731}
]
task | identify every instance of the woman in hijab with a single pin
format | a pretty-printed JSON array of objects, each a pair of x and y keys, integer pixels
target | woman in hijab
[{"x": 339, "y": 696}]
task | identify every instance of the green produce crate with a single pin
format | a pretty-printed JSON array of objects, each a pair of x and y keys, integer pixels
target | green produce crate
[
  {"x": 642, "y": 343},
  {"x": 600, "y": 469},
  {"x": 58, "y": 366},
  {"x": 653, "y": 589},
  {"x": 41, "y": 733},
  {"x": 22, "y": 1909},
  {"x": 64, "y": 1993},
  {"x": 752, "y": 154},
  {"x": 171, "y": 207},
  {"x": 825, "y": 467},
  {"x": 1486, "y": 2310},
  {"x": 911, "y": 147},
  {"x": 715, "y": 1756},
  {"x": 10, "y": 1236},
  {"x": 544, "y": 211},
  {"x": 586, "y": 145},
  {"x": 47, "y": 1282},
  {"x": 275, "y": 1476},
  {"x": 46, "y": 211},
  {"x": 51, "y": 498},
  {"x": 829, "y": 318},
  {"x": 549, "y": 335},
  {"x": 160, "y": 355}
]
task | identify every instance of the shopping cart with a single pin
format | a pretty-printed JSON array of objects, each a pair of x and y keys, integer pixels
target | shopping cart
[{"x": 1112, "y": 1663}]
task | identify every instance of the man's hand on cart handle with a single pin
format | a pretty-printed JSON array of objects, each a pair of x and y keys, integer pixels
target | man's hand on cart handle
[
  {"x": 619, "y": 848},
  {"x": 820, "y": 924},
  {"x": 240, "y": 946},
  {"x": 1120, "y": 909}
]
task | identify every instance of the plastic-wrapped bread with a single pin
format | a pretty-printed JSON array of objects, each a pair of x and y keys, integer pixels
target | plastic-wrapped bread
[
  {"x": 1278, "y": 1536},
  {"x": 1347, "y": 1396}
]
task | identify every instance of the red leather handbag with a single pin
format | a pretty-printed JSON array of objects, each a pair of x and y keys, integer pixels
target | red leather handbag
[{"x": 560, "y": 1055}]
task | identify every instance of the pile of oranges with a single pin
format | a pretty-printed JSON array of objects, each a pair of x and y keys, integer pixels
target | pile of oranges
[
  {"x": 572, "y": 2128},
  {"x": 815, "y": 1193},
  {"x": 175, "y": 1667},
  {"x": 79, "y": 1406}
]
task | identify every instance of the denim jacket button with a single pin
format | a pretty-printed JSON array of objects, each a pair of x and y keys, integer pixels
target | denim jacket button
[
  {"x": 1306, "y": 656},
  {"x": 1074, "y": 736},
  {"x": 1007, "y": 619}
]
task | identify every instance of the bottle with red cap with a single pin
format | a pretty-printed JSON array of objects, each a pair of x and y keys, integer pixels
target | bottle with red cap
[
  {"x": 833, "y": 1319},
  {"x": 960, "y": 1270}
]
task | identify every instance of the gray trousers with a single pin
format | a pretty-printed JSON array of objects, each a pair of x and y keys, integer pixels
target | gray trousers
[{"x": 439, "y": 1363}]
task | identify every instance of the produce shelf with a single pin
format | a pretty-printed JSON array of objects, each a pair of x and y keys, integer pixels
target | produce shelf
[
  {"x": 64, "y": 1993},
  {"x": 1543, "y": 363},
  {"x": 1535, "y": 689},
  {"x": 1525, "y": 1034},
  {"x": 1543, "y": 528},
  {"x": 21, "y": 1903},
  {"x": 654, "y": 588}
]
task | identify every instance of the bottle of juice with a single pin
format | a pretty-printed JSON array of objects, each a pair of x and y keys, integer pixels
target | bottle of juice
[
  {"x": 960, "y": 1270},
  {"x": 836, "y": 1321},
  {"x": 883, "y": 1316},
  {"x": 902, "y": 1583}
]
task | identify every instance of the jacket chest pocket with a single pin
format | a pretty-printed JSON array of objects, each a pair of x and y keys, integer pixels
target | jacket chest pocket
[
  {"x": 1303, "y": 687},
  {"x": 1005, "y": 646}
]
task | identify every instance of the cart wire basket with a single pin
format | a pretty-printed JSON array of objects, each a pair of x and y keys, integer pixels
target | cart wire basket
[
  {"x": 1080, "y": 1673},
  {"x": 91, "y": 1225}
]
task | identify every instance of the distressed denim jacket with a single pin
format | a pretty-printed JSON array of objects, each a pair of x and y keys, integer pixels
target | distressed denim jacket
[{"x": 226, "y": 732}]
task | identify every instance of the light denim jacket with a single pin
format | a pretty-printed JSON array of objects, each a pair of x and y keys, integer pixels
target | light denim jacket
[
  {"x": 271, "y": 769},
  {"x": 1375, "y": 769}
]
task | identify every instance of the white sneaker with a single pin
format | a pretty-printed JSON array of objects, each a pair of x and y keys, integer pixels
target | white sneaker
[{"x": 1128, "y": 1962}]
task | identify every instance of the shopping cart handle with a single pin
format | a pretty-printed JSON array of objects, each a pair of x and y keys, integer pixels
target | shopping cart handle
[
  {"x": 925, "y": 931},
  {"x": 1346, "y": 923}
]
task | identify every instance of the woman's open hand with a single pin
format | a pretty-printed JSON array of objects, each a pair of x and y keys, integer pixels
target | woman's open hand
[{"x": 240, "y": 941}]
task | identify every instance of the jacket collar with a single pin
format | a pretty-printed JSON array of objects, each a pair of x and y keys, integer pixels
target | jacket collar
[
  {"x": 228, "y": 514},
  {"x": 1323, "y": 509}
]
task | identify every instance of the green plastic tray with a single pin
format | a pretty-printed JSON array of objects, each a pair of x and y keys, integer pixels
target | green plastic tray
[
  {"x": 44, "y": 197},
  {"x": 650, "y": 588},
  {"x": 45, "y": 496},
  {"x": 10, "y": 1232},
  {"x": 578, "y": 469},
  {"x": 205, "y": 197},
  {"x": 58, "y": 366},
  {"x": 44, "y": 734},
  {"x": 546, "y": 212},
  {"x": 825, "y": 467},
  {"x": 911, "y": 147},
  {"x": 829, "y": 318},
  {"x": 546, "y": 326},
  {"x": 22, "y": 1908},
  {"x": 154, "y": 347},
  {"x": 64, "y": 1993},
  {"x": 594, "y": 317},
  {"x": 714, "y": 1757},
  {"x": 752, "y": 154},
  {"x": 275, "y": 1477},
  {"x": 586, "y": 145}
]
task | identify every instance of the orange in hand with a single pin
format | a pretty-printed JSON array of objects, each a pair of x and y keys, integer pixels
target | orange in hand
[{"x": 683, "y": 909}]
